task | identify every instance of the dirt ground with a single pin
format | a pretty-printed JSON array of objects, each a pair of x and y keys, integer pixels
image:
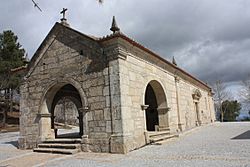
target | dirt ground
[{"x": 12, "y": 124}]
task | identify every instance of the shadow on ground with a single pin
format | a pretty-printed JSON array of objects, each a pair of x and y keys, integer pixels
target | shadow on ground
[
  {"x": 14, "y": 143},
  {"x": 245, "y": 135},
  {"x": 69, "y": 135}
]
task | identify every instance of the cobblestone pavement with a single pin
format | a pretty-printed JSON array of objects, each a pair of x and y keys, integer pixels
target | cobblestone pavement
[{"x": 216, "y": 145}]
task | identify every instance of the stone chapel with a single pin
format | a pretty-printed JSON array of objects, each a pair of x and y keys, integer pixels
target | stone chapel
[{"x": 126, "y": 95}]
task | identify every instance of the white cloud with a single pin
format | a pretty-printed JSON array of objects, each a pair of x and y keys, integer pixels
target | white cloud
[{"x": 208, "y": 38}]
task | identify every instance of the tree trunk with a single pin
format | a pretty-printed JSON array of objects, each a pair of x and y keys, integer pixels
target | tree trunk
[
  {"x": 2, "y": 116},
  {"x": 222, "y": 113},
  {"x": 11, "y": 100}
]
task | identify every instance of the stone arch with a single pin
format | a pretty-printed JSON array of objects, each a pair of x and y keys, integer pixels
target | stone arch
[
  {"x": 156, "y": 110},
  {"x": 51, "y": 96},
  {"x": 55, "y": 85},
  {"x": 147, "y": 81}
]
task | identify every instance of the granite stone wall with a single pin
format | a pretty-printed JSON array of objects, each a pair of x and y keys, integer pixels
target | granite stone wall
[
  {"x": 136, "y": 71},
  {"x": 66, "y": 58},
  {"x": 110, "y": 77}
]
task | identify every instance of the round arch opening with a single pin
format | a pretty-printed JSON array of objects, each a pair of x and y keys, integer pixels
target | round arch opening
[
  {"x": 157, "y": 111},
  {"x": 62, "y": 113},
  {"x": 66, "y": 117}
]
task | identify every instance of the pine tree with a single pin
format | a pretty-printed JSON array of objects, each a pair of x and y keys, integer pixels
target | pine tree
[
  {"x": 231, "y": 110},
  {"x": 12, "y": 55}
]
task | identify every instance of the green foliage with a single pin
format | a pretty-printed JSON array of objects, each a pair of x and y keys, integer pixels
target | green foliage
[
  {"x": 231, "y": 109},
  {"x": 246, "y": 119},
  {"x": 12, "y": 55}
]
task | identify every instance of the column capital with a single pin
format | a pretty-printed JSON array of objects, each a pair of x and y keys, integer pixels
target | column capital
[
  {"x": 83, "y": 109},
  {"x": 177, "y": 79},
  {"x": 144, "y": 106},
  {"x": 44, "y": 115}
]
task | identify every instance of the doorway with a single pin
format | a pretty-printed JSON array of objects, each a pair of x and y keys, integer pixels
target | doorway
[
  {"x": 157, "y": 111},
  {"x": 66, "y": 117},
  {"x": 152, "y": 119},
  {"x": 197, "y": 113}
]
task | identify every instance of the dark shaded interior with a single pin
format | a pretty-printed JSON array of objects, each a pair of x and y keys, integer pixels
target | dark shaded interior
[
  {"x": 151, "y": 112},
  {"x": 70, "y": 92},
  {"x": 1, "y": 117}
]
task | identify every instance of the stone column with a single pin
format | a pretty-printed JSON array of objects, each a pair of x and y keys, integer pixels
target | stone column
[
  {"x": 83, "y": 120},
  {"x": 144, "y": 107},
  {"x": 45, "y": 131},
  {"x": 83, "y": 127},
  {"x": 163, "y": 118}
]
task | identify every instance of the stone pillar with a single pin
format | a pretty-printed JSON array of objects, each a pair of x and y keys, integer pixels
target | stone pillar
[
  {"x": 209, "y": 108},
  {"x": 210, "y": 100},
  {"x": 144, "y": 107},
  {"x": 115, "y": 57},
  {"x": 117, "y": 144},
  {"x": 212, "y": 109},
  {"x": 180, "y": 124},
  {"x": 163, "y": 118},
  {"x": 83, "y": 120},
  {"x": 45, "y": 131},
  {"x": 199, "y": 114},
  {"x": 85, "y": 143}
]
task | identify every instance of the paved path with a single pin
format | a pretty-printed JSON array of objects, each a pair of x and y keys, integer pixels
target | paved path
[{"x": 217, "y": 145}]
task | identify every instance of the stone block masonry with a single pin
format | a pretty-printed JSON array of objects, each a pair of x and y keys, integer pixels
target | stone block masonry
[{"x": 121, "y": 91}]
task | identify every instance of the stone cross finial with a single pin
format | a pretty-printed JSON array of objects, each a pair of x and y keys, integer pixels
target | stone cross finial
[
  {"x": 63, "y": 19},
  {"x": 114, "y": 26},
  {"x": 173, "y": 61},
  {"x": 63, "y": 12}
]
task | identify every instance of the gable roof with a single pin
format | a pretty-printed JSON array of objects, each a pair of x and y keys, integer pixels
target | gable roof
[
  {"x": 59, "y": 26},
  {"x": 54, "y": 30},
  {"x": 138, "y": 45}
]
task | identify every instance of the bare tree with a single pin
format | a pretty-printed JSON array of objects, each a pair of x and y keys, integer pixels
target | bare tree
[
  {"x": 220, "y": 94},
  {"x": 245, "y": 91}
]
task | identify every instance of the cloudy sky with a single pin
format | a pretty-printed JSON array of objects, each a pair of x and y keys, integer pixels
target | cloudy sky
[{"x": 208, "y": 38}]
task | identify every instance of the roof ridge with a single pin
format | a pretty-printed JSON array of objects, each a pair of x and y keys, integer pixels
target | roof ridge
[
  {"x": 134, "y": 42},
  {"x": 80, "y": 33}
]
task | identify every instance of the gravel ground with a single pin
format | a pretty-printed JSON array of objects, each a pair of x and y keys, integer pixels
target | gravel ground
[
  {"x": 8, "y": 146},
  {"x": 217, "y": 145}
]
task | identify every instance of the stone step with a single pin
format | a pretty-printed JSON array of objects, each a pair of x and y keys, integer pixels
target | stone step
[
  {"x": 158, "y": 133},
  {"x": 66, "y": 141},
  {"x": 59, "y": 145},
  {"x": 162, "y": 137},
  {"x": 163, "y": 128},
  {"x": 56, "y": 150}
]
